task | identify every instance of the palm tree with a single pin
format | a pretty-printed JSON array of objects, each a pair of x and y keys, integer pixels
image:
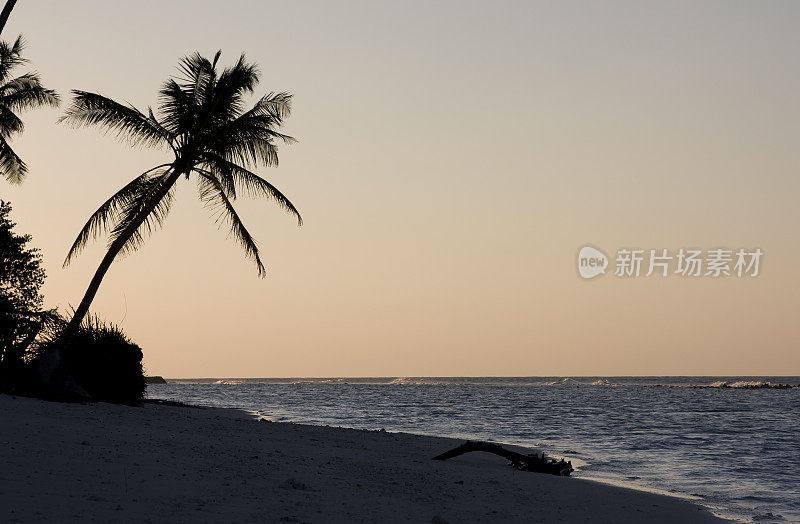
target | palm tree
[
  {"x": 202, "y": 121},
  {"x": 17, "y": 94}
]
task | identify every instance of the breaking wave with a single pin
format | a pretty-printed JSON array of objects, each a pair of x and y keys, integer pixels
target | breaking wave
[
  {"x": 602, "y": 382},
  {"x": 751, "y": 384}
]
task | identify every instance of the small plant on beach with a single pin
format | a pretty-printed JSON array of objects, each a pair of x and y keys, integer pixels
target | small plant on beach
[
  {"x": 21, "y": 315},
  {"x": 17, "y": 94},
  {"x": 202, "y": 121}
]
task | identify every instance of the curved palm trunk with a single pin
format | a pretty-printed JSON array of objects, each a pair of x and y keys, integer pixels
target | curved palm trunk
[
  {"x": 114, "y": 250},
  {"x": 6, "y": 12}
]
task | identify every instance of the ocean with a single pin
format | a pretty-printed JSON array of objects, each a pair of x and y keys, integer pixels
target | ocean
[{"x": 729, "y": 443}]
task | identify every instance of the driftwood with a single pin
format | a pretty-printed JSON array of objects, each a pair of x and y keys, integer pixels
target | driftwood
[{"x": 533, "y": 462}]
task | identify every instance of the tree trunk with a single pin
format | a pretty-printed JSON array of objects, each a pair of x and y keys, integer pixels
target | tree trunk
[
  {"x": 534, "y": 462},
  {"x": 4, "y": 14},
  {"x": 114, "y": 250}
]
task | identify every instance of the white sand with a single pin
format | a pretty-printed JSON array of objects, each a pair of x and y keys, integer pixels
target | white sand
[{"x": 100, "y": 462}]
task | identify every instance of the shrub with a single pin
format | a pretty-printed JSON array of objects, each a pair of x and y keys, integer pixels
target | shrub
[{"x": 98, "y": 362}]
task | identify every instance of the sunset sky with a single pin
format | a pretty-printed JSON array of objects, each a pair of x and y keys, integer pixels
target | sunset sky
[{"x": 453, "y": 157}]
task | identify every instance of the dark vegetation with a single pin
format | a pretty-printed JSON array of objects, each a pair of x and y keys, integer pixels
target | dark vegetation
[
  {"x": 21, "y": 315},
  {"x": 95, "y": 363},
  {"x": 17, "y": 93},
  {"x": 202, "y": 119}
]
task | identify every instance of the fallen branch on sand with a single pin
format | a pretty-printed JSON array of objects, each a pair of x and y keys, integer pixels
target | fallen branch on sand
[{"x": 532, "y": 462}]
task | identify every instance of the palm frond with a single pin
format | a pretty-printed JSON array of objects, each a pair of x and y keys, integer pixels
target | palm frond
[
  {"x": 11, "y": 165},
  {"x": 176, "y": 108},
  {"x": 198, "y": 75},
  {"x": 251, "y": 184},
  {"x": 131, "y": 213},
  {"x": 277, "y": 106},
  {"x": 254, "y": 128},
  {"x": 27, "y": 92},
  {"x": 159, "y": 126},
  {"x": 238, "y": 79},
  {"x": 233, "y": 84},
  {"x": 260, "y": 122},
  {"x": 213, "y": 194},
  {"x": 14, "y": 50},
  {"x": 243, "y": 143},
  {"x": 250, "y": 151},
  {"x": 126, "y": 122},
  {"x": 109, "y": 211},
  {"x": 9, "y": 122},
  {"x": 11, "y": 57},
  {"x": 181, "y": 99},
  {"x": 225, "y": 180},
  {"x": 249, "y": 139}
]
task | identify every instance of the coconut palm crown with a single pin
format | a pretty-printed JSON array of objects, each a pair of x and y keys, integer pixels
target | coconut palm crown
[
  {"x": 202, "y": 120},
  {"x": 17, "y": 94}
]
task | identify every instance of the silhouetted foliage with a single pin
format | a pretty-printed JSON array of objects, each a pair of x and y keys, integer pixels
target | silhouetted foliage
[
  {"x": 202, "y": 120},
  {"x": 17, "y": 94},
  {"x": 21, "y": 315},
  {"x": 97, "y": 362}
]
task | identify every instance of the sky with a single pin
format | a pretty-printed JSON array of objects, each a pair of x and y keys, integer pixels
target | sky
[{"x": 452, "y": 159}]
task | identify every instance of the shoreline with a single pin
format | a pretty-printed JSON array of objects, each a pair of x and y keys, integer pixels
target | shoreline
[{"x": 160, "y": 462}]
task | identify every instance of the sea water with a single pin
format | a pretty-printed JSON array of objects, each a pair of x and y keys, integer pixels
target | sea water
[{"x": 730, "y": 443}]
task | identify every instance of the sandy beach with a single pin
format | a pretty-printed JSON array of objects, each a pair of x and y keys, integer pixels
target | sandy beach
[{"x": 157, "y": 463}]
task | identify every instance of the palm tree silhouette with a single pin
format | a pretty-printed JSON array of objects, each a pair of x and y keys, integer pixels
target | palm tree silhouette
[
  {"x": 202, "y": 120},
  {"x": 17, "y": 94}
]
